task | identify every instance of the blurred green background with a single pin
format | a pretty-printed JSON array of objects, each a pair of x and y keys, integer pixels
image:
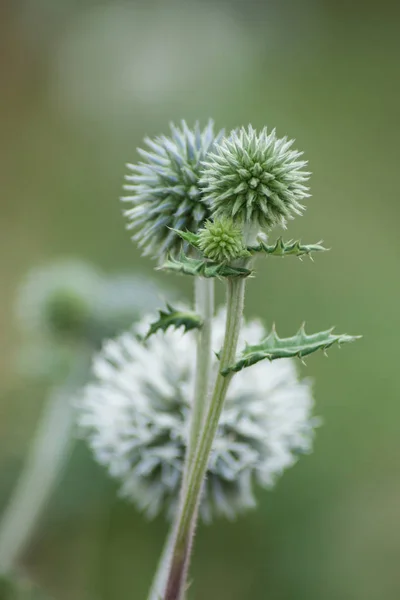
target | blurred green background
[{"x": 81, "y": 84}]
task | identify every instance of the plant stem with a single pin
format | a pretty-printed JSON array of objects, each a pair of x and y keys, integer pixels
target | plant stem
[
  {"x": 204, "y": 305},
  {"x": 48, "y": 454},
  {"x": 191, "y": 492},
  {"x": 160, "y": 578},
  {"x": 204, "y": 300}
]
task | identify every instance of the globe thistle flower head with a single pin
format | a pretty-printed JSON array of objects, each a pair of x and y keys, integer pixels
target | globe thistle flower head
[
  {"x": 221, "y": 240},
  {"x": 134, "y": 415},
  {"x": 59, "y": 298},
  {"x": 256, "y": 178},
  {"x": 164, "y": 188},
  {"x": 69, "y": 302}
]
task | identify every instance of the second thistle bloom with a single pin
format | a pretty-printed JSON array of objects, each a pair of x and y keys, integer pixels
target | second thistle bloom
[
  {"x": 135, "y": 415},
  {"x": 256, "y": 178},
  {"x": 164, "y": 188}
]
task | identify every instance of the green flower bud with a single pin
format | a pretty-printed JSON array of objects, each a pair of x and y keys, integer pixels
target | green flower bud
[
  {"x": 222, "y": 240},
  {"x": 255, "y": 178}
]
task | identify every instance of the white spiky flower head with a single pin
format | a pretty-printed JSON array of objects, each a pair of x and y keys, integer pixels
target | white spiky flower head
[
  {"x": 134, "y": 415},
  {"x": 164, "y": 188},
  {"x": 255, "y": 178}
]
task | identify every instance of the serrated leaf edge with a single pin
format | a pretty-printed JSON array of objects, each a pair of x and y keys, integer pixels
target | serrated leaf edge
[
  {"x": 303, "y": 345},
  {"x": 288, "y": 248},
  {"x": 206, "y": 268},
  {"x": 189, "y": 320}
]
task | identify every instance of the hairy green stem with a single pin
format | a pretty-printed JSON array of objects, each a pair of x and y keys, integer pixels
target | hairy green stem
[
  {"x": 204, "y": 305},
  {"x": 191, "y": 492}
]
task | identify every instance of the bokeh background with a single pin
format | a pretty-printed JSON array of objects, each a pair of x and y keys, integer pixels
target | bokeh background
[{"x": 81, "y": 84}]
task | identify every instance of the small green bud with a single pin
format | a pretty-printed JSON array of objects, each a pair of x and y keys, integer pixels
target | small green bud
[
  {"x": 222, "y": 240},
  {"x": 255, "y": 178}
]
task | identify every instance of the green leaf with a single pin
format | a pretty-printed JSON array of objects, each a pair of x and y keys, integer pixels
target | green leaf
[
  {"x": 205, "y": 268},
  {"x": 300, "y": 345},
  {"x": 175, "y": 318},
  {"x": 281, "y": 248},
  {"x": 188, "y": 236}
]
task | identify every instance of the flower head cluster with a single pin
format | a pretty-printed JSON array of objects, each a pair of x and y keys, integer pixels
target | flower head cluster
[
  {"x": 164, "y": 188},
  {"x": 222, "y": 240},
  {"x": 256, "y": 178},
  {"x": 135, "y": 417}
]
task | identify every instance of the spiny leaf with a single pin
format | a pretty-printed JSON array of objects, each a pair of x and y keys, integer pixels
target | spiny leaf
[
  {"x": 175, "y": 318},
  {"x": 281, "y": 248},
  {"x": 205, "y": 268},
  {"x": 300, "y": 345},
  {"x": 188, "y": 236}
]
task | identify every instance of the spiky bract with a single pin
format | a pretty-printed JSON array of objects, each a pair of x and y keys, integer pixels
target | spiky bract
[
  {"x": 135, "y": 417},
  {"x": 256, "y": 178},
  {"x": 165, "y": 190},
  {"x": 222, "y": 240}
]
